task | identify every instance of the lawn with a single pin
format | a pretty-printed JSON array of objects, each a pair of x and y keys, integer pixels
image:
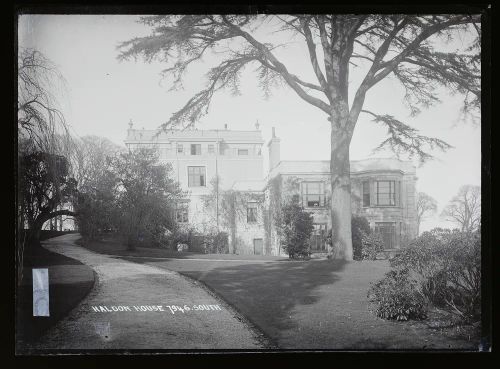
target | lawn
[
  {"x": 69, "y": 282},
  {"x": 112, "y": 246},
  {"x": 315, "y": 304}
]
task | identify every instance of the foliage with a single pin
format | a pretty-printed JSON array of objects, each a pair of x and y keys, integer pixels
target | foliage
[
  {"x": 146, "y": 195},
  {"x": 223, "y": 209},
  {"x": 281, "y": 192},
  {"x": 40, "y": 120},
  {"x": 97, "y": 204},
  {"x": 181, "y": 235},
  {"x": 359, "y": 228},
  {"x": 397, "y": 297},
  {"x": 297, "y": 228},
  {"x": 90, "y": 161},
  {"x": 447, "y": 265},
  {"x": 465, "y": 208},
  {"x": 42, "y": 137},
  {"x": 372, "y": 244},
  {"x": 403, "y": 139},
  {"x": 382, "y": 44},
  {"x": 216, "y": 243},
  {"x": 45, "y": 186},
  {"x": 97, "y": 213},
  {"x": 228, "y": 205},
  {"x": 461, "y": 273},
  {"x": 379, "y": 45},
  {"x": 275, "y": 203},
  {"x": 366, "y": 243}
]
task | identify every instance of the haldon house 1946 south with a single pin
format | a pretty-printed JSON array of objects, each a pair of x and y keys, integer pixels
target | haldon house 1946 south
[{"x": 383, "y": 190}]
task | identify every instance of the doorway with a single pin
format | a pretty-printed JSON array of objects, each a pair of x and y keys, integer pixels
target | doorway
[
  {"x": 387, "y": 231},
  {"x": 318, "y": 238},
  {"x": 258, "y": 245}
]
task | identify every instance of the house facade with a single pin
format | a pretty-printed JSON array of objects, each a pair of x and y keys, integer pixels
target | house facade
[
  {"x": 197, "y": 158},
  {"x": 245, "y": 203}
]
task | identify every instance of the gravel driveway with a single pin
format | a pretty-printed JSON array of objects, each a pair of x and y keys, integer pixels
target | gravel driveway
[{"x": 134, "y": 306}]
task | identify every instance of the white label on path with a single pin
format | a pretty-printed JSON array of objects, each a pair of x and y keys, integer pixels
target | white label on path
[{"x": 41, "y": 292}]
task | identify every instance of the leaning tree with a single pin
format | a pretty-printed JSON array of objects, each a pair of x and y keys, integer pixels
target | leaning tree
[
  {"x": 408, "y": 47},
  {"x": 46, "y": 189}
]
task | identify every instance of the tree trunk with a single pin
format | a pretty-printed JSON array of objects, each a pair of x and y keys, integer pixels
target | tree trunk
[
  {"x": 232, "y": 224},
  {"x": 341, "y": 195}
]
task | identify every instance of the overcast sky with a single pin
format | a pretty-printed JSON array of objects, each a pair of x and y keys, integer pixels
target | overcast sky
[{"x": 103, "y": 94}]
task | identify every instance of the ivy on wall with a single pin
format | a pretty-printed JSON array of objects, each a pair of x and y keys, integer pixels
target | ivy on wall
[{"x": 231, "y": 206}]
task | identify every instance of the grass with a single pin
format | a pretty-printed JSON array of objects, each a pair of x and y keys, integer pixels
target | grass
[
  {"x": 312, "y": 304},
  {"x": 69, "y": 282},
  {"x": 112, "y": 246},
  {"x": 304, "y": 304}
]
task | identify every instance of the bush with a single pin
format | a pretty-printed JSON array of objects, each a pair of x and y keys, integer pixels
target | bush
[
  {"x": 359, "y": 228},
  {"x": 297, "y": 228},
  {"x": 157, "y": 235},
  {"x": 365, "y": 243},
  {"x": 461, "y": 272},
  {"x": 181, "y": 235},
  {"x": 372, "y": 244},
  {"x": 216, "y": 243},
  {"x": 397, "y": 297},
  {"x": 446, "y": 265},
  {"x": 96, "y": 214}
]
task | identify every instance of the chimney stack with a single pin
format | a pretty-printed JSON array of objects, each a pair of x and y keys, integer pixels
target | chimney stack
[
  {"x": 274, "y": 150},
  {"x": 130, "y": 129}
]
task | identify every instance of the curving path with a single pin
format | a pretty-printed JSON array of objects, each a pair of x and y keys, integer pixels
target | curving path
[{"x": 98, "y": 323}]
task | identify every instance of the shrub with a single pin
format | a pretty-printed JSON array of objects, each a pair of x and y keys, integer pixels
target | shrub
[
  {"x": 397, "y": 297},
  {"x": 372, "y": 244},
  {"x": 216, "y": 243},
  {"x": 96, "y": 214},
  {"x": 181, "y": 235},
  {"x": 461, "y": 291},
  {"x": 447, "y": 267},
  {"x": 297, "y": 227},
  {"x": 359, "y": 228}
]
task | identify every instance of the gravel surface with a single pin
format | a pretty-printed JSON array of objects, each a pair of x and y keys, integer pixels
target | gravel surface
[{"x": 123, "y": 285}]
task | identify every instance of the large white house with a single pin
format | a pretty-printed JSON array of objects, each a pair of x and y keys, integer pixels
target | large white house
[
  {"x": 383, "y": 190},
  {"x": 197, "y": 157}
]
